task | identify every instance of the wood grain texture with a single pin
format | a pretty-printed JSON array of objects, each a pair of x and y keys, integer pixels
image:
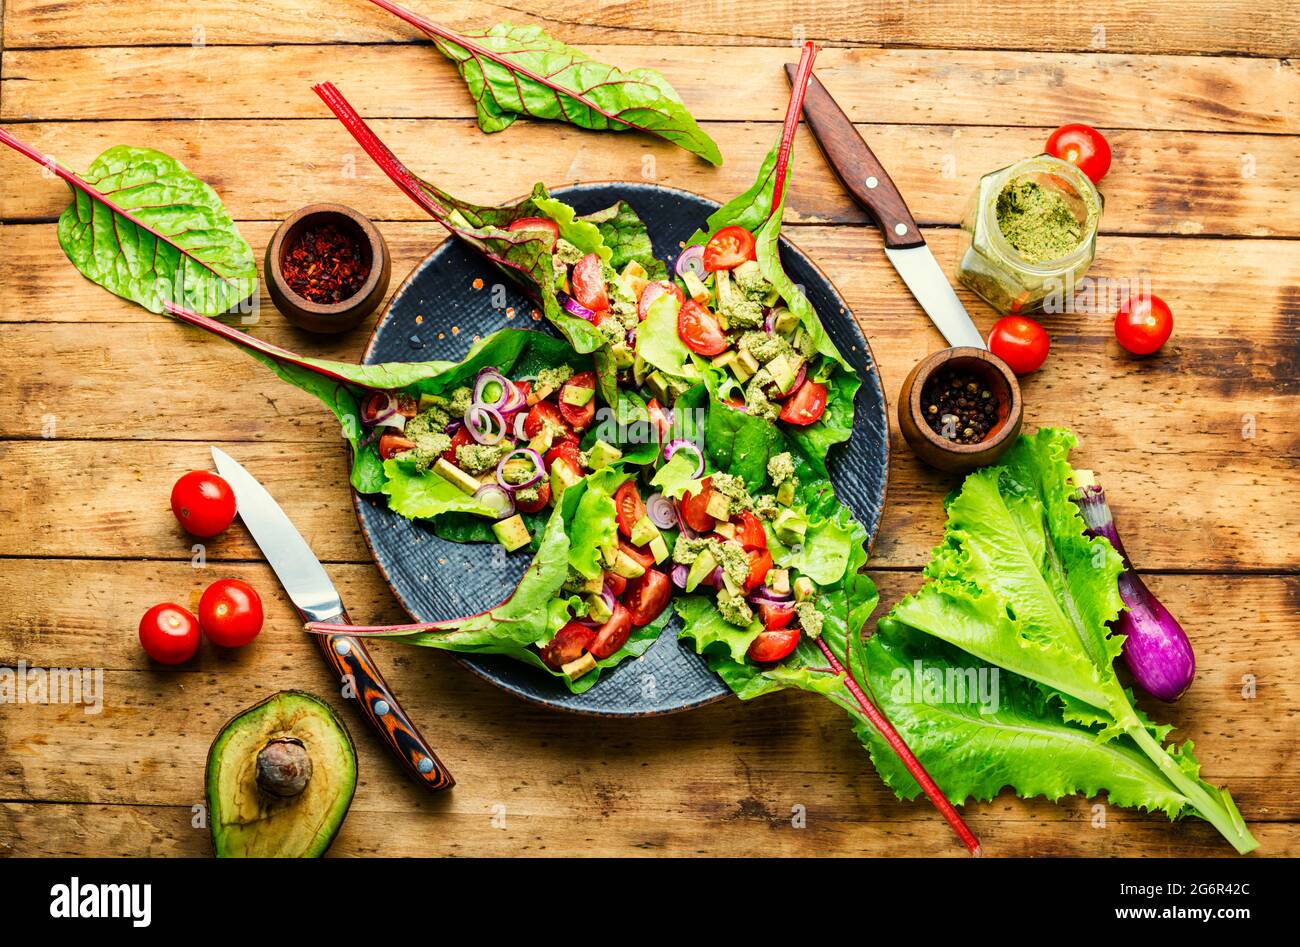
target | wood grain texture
[
  {"x": 1186, "y": 26},
  {"x": 1161, "y": 182}
]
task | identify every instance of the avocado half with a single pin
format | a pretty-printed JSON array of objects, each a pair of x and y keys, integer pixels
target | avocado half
[{"x": 280, "y": 779}]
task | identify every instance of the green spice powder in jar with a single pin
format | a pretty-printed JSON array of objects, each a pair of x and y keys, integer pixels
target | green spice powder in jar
[{"x": 1037, "y": 222}]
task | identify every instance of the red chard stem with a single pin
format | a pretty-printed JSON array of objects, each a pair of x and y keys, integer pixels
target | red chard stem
[{"x": 797, "y": 90}]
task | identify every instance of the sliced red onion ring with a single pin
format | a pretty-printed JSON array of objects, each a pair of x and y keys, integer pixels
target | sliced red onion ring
[
  {"x": 520, "y": 418},
  {"x": 685, "y": 443},
  {"x": 661, "y": 511},
  {"x": 769, "y": 324},
  {"x": 485, "y": 424},
  {"x": 575, "y": 308},
  {"x": 496, "y": 499},
  {"x": 691, "y": 260},
  {"x": 777, "y": 395},
  {"x": 539, "y": 469},
  {"x": 765, "y": 597},
  {"x": 631, "y": 337},
  {"x": 377, "y": 407},
  {"x": 715, "y": 580},
  {"x": 393, "y": 420},
  {"x": 607, "y": 596},
  {"x": 679, "y": 574},
  {"x": 489, "y": 376},
  {"x": 682, "y": 525}
]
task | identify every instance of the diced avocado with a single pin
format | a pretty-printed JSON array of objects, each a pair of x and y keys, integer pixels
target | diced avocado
[
  {"x": 563, "y": 476},
  {"x": 659, "y": 385},
  {"x": 730, "y": 585},
  {"x": 695, "y": 289},
  {"x": 745, "y": 365},
  {"x": 643, "y": 530},
  {"x": 778, "y": 580},
  {"x": 428, "y": 401},
  {"x": 719, "y": 506},
  {"x": 640, "y": 369},
  {"x": 512, "y": 533},
  {"x": 602, "y": 455},
  {"x": 577, "y": 395},
  {"x": 748, "y": 271},
  {"x": 587, "y": 586},
  {"x": 785, "y": 493},
  {"x": 727, "y": 295},
  {"x": 659, "y": 548},
  {"x": 701, "y": 569},
  {"x": 624, "y": 357},
  {"x": 610, "y": 555},
  {"x": 785, "y": 321},
  {"x": 635, "y": 278},
  {"x": 804, "y": 589},
  {"x": 280, "y": 779},
  {"x": 727, "y": 530},
  {"x": 450, "y": 471},
  {"x": 782, "y": 372},
  {"x": 579, "y": 666},
  {"x": 627, "y": 567},
  {"x": 790, "y": 527},
  {"x": 542, "y": 442},
  {"x": 724, "y": 360},
  {"x": 597, "y": 610}
]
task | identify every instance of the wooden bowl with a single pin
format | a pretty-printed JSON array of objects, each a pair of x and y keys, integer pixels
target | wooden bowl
[
  {"x": 938, "y": 451},
  {"x": 328, "y": 318}
]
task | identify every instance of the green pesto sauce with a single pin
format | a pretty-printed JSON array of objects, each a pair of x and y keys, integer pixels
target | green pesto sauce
[{"x": 1037, "y": 221}]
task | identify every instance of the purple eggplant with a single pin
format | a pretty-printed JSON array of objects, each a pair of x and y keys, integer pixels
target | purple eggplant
[{"x": 1156, "y": 648}]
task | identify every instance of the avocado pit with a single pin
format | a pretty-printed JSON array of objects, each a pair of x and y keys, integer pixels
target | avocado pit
[{"x": 283, "y": 767}]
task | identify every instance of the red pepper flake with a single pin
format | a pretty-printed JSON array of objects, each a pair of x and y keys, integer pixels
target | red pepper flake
[{"x": 324, "y": 264}]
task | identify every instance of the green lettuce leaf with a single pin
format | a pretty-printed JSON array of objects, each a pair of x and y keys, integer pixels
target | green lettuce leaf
[
  {"x": 593, "y": 533},
  {"x": 657, "y": 341},
  {"x": 677, "y": 476}
]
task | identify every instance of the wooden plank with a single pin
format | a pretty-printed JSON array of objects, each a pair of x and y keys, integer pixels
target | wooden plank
[
  {"x": 750, "y": 763},
  {"x": 1192, "y": 26},
  {"x": 899, "y": 86},
  {"x": 1162, "y": 182}
]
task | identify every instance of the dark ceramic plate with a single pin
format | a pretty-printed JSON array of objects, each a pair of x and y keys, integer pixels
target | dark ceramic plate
[{"x": 437, "y": 313}]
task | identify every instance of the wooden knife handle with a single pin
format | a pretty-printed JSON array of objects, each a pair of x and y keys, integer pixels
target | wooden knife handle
[
  {"x": 855, "y": 165},
  {"x": 350, "y": 660}
]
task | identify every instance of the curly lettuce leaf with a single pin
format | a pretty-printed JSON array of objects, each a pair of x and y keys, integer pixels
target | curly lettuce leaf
[
  {"x": 593, "y": 532},
  {"x": 658, "y": 343}
]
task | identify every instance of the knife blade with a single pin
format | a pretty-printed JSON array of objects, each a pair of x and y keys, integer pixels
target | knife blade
[
  {"x": 313, "y": 595},
  {"x": 866, "y": 179}
]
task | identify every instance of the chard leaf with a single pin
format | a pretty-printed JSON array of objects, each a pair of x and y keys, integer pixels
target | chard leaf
[{"x": 515, "y": 71}]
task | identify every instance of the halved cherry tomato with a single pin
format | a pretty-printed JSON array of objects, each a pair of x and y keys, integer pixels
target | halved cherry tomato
[
  {"x": 749, "y": 531},
  {"x": 806, "y": 405},
  {"x": 728, "y": 248},
  {"x": 459, "y": 439},
  {"x": 647, "y": 596},
  {"x": 659, "y": 418},
  {"x": 760, "y": 564},
  {"x": 543, "y": 498},
  {"x": 775, "y": 617},
  {"x": 1143, "y": 324},
  {"x": 773, "y": 645},
  {"x": 579, "y": 416},
  {"x": 642, "y": 557},
  {"x": 588, "y": 281},
  {"x": 525, "y": 389},
  {"x": 567, "y": 645},
  {"x": 1081, "y": 145},
  {"x": 378, "y": 402},
  {"x": 652, "y": 292},
  {"x": 542, "y": 414},
  {"x": 390, "y": 445},
  {"x": 698, "y": 328},
  {"x": 566, "y": 448},
  {"x": 695, "y": 508},
  {"x": 537, "y": 223},
  {"x": 611, "y": 635},
  {"x": 628, "y": 505},
  {"x": 616, "y": 583}
]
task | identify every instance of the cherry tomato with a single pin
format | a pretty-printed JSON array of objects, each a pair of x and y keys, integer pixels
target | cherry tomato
[
  {"x": 579, "y": 416},
  {"x": 695, "y": 508},
  {"x": 459, "y": 439},
  {"x": 659, "y": 418},
  {"x": 642, "y": 557},
  {"x": 749, "y": 531},
  {"x": 537, "y": 223},
  {"x": 806, "y": 405},
  {"x": 647, "y": 596},
  {"x": 611, "y": 635},
  {"x": 652, "y": 292},
  {"x": 390, "y": 445},
  {"x": 1081, "y": 145},
  {"x": 774, "y": 645},
  {"x": 588, "y": 281},
  {"x": 1143, "y": 324},
  {"x": 698, "y": 328},
  {"x": 567, "y": 645},
  {"x": 544, "y": 414},
  {"x": 728, "y": 248},
  {"x": 1020, "y": 342},
  {"x": 616, "y": 583},
  {"x": 203, "y": 503},
  {"x": 630, "y": 509},
  {"x": 566, "y": 450},
  {"x": 775, "y": 617},
  {"x": 543, "y": 498},
  {"x": 169, "y": 634},
  {"x": 760, "y": 564},
  {"x": 230, "y": 613}
]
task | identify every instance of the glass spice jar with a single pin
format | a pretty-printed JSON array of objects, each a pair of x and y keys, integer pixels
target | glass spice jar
[{"x": 1019, "y": 280}]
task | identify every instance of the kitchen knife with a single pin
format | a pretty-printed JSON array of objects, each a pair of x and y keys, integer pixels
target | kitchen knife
[
  {"x": 866, "y": 179},
  {"x": 314, "y": 597}
]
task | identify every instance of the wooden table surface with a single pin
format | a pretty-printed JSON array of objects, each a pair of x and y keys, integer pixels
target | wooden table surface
[{"x": 1198, "y": 446}]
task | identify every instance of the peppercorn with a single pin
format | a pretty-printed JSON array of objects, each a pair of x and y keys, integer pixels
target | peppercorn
[{"x": 958, "y": 407}]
